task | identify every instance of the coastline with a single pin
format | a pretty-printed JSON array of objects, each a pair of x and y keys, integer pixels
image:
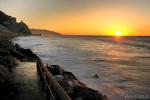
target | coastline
[
  {"x": 19, "y": 54},
  {"x": 85, "y": 60}
]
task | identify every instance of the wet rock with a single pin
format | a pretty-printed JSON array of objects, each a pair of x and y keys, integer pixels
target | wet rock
[
  {"x": 59, "y": 78},
  {"x": 56, "y": 70},
  {"x": 16, "y": 51},
  {"x": 70, "y": 77},
  {"x": 86, "y": 94},
  {"x": 96, "y": 76}
]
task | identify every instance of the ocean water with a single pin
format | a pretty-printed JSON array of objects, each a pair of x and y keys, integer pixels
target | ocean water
[{"x": 122, "y": 64}]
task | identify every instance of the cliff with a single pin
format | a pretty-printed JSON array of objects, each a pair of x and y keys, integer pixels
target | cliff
[
  {"x": 9, "y": 26},
  {"x": 45, "y": 33}
]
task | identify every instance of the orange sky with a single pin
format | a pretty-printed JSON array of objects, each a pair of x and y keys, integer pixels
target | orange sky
[{"x": 83, "y": 17}]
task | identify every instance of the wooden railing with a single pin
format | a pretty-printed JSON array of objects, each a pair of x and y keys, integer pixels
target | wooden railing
[{"x": 50, "y": 84}]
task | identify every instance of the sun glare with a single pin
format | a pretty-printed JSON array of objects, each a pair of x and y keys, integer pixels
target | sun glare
[
  {"x": 118, "y": 33},
  {"x": 117, "y": 30}
]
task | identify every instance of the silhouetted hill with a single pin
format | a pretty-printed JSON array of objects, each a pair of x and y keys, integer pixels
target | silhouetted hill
[
  {"x": 45, "y": 33},
  {"x": 9, "y": 26}
]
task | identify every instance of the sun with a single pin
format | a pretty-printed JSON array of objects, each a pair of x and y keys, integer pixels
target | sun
[{"x": 118, "y": 33}]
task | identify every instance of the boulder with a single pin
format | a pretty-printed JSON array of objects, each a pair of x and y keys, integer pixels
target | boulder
[
  {"x": 59, "y": 78},
  {"x": 85, "y": 93},
  {"x": 96, "y": 76},
  {"x": 16, "y": 51},
  {"x": 56, "y": 70}
]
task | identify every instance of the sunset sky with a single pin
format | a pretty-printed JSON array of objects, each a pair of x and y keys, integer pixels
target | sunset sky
[{"x": 83, "y": 17}]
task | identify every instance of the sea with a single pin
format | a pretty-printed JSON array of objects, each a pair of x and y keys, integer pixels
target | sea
[{"x": 121, "y": 64}]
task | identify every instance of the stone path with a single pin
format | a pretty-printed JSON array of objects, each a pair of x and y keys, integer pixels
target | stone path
[{"x": 27, "y": 81}]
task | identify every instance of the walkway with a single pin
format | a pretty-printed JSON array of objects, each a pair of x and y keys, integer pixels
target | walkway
[{"x": 26, "y": 77}]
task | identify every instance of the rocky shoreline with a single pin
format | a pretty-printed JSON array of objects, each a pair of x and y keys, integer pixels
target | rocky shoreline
[
  {"x": 10, "y": 56},
  {"x": 72, "y": 86}
]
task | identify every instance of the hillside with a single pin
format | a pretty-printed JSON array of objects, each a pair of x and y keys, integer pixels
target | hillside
[
  {"x": 45, "y": 33},
  {"x": 10, "y": 27}
]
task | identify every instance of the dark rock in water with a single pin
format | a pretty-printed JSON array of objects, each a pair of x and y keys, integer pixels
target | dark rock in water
[
  {"x": 86, "y": 94},
  {"x": 96, "y": 76}
]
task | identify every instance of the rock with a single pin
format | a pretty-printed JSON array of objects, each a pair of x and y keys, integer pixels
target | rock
[
  {"x": 10, "y": 53},
  {"x": 23, "y": 28},
  {"x": 4, "y": 29},
  {"x": 9, "y": 26},
  {"x": 73, "y": 87},
  {"x": 96, "y": 76},
  {"x": 7, "y": 89},
  {"x": 56, "y": 70},
  {"x": 69, "y": 75},
  {"x": 59, "y": 78},
  {"x": 8, "y": 61},
  {"x": 7, "y": 45},
  {"x": 72, "y": 80},
  {"x": 86, "y": 94},
  {"x": 16, "y": 51},
  {"x": 16, "y": 61},
  {"x": 3, "y": 76},
  {"x": 78, "y": 98},
  {"x": 25, "y": 54},
  {"x": 105, "y": 97},
  {"x": 68, "y": 86},
  {"x": 3, "y": 71}
]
